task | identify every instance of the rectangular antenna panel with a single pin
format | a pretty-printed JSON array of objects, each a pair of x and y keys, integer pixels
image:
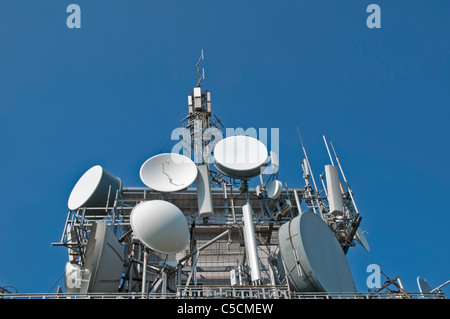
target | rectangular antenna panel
[
  {"x": 191, "y": 107},
  {"x": 197, "y": 98},
  {"x": 204, "y": 197},
  {"x": 208, "y": 102},
  {"x": 334, "y": 190}
]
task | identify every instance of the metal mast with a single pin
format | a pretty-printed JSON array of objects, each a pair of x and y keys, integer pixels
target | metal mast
[{"x": 203, "y": 126}]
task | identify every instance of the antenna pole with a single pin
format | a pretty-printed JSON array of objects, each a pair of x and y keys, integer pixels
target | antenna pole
[
  {"x": 439, "y": 287},
  {"x": 345, "y": 180},
  {"x": 307, "y": 160},
  {"x": 310, "y": 170},
  {"x": 326, "y": 144},
  {"x": 199, "y": 77}
]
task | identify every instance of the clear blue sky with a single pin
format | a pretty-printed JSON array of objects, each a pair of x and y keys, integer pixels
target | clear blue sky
[{"x": 111, "y": 93}]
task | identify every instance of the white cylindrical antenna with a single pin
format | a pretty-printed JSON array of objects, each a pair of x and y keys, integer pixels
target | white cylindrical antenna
[
  {"x": 305, "y": 169},
  {"x": 250, "y": 243},
  {"x": 144, "y": 273},
  {"x": 298, "y": 202}
]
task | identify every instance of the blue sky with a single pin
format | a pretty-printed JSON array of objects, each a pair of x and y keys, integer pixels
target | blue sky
[{"x": 111, "y": 93}]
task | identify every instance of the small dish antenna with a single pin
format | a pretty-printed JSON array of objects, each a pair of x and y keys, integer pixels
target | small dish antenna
[
  {"x": 161, "y": 226},
  {"x": 274, "y": 189},
  {"x": 240, "y": 157},
  {"x": 168, "y": 172}
]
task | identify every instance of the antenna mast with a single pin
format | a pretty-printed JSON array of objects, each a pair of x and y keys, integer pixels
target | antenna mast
[
  {"x": 308, "y": 166},
  {"x": 328, "y": 150},
  {"x": 200, "y": 77},
  {"x": 201, "y": 122},
  {"x": 345, "y": 180}
]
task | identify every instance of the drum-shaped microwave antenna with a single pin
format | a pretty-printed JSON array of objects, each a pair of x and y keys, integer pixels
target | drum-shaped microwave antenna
[
  {"x": 240, "y": 157},
  {"x": 96, "y": 188},
  {"x": 313, "y": 256},
  {"x": 160, "y": 225},
  {"x": 168, "y": 172}
]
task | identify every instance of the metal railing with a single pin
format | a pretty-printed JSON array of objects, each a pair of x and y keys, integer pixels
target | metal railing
[
  {"x": 235, "y": 292},
  {"x": 230, "y": 292},
  {"x": 88, "y": 296}
]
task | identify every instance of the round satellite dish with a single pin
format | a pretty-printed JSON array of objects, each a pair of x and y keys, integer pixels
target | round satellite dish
[
  {"x": 313, "y": 255},
  {"x": 240, "y": 157},
  {"x": 274, "y": 189},
  {"x": 168, "y": 172},
  {"x": 96, "y": 188},
  {"x": 161, "y": 226}
]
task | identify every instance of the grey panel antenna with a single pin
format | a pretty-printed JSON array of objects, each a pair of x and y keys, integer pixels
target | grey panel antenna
[{"x": 104, "y": 260}]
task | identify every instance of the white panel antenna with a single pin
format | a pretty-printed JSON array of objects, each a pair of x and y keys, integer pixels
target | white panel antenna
[{"x": 104, "y": 261}]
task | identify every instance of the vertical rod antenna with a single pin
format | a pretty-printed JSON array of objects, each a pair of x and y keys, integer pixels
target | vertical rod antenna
[
  {"x": 329, "y": 154},
  {"x": 199, "y": 77},
  {"x": 311, "y": 172},
  {"x": 307, "y": 160},
  {"x": 345, "y": 179}
]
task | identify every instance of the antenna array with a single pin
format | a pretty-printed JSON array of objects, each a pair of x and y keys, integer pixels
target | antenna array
[{"x": 172, "y": 239}]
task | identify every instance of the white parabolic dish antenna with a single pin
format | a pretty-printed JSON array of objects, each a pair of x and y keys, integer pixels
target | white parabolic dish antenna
[
  {"x": 274, "y": 189},
  {"x": 313, "y": 256},
  {"x": 168, "y": 172},
  {"x": 161, "y": 226},
  {"x": 240, "y": 156}
]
